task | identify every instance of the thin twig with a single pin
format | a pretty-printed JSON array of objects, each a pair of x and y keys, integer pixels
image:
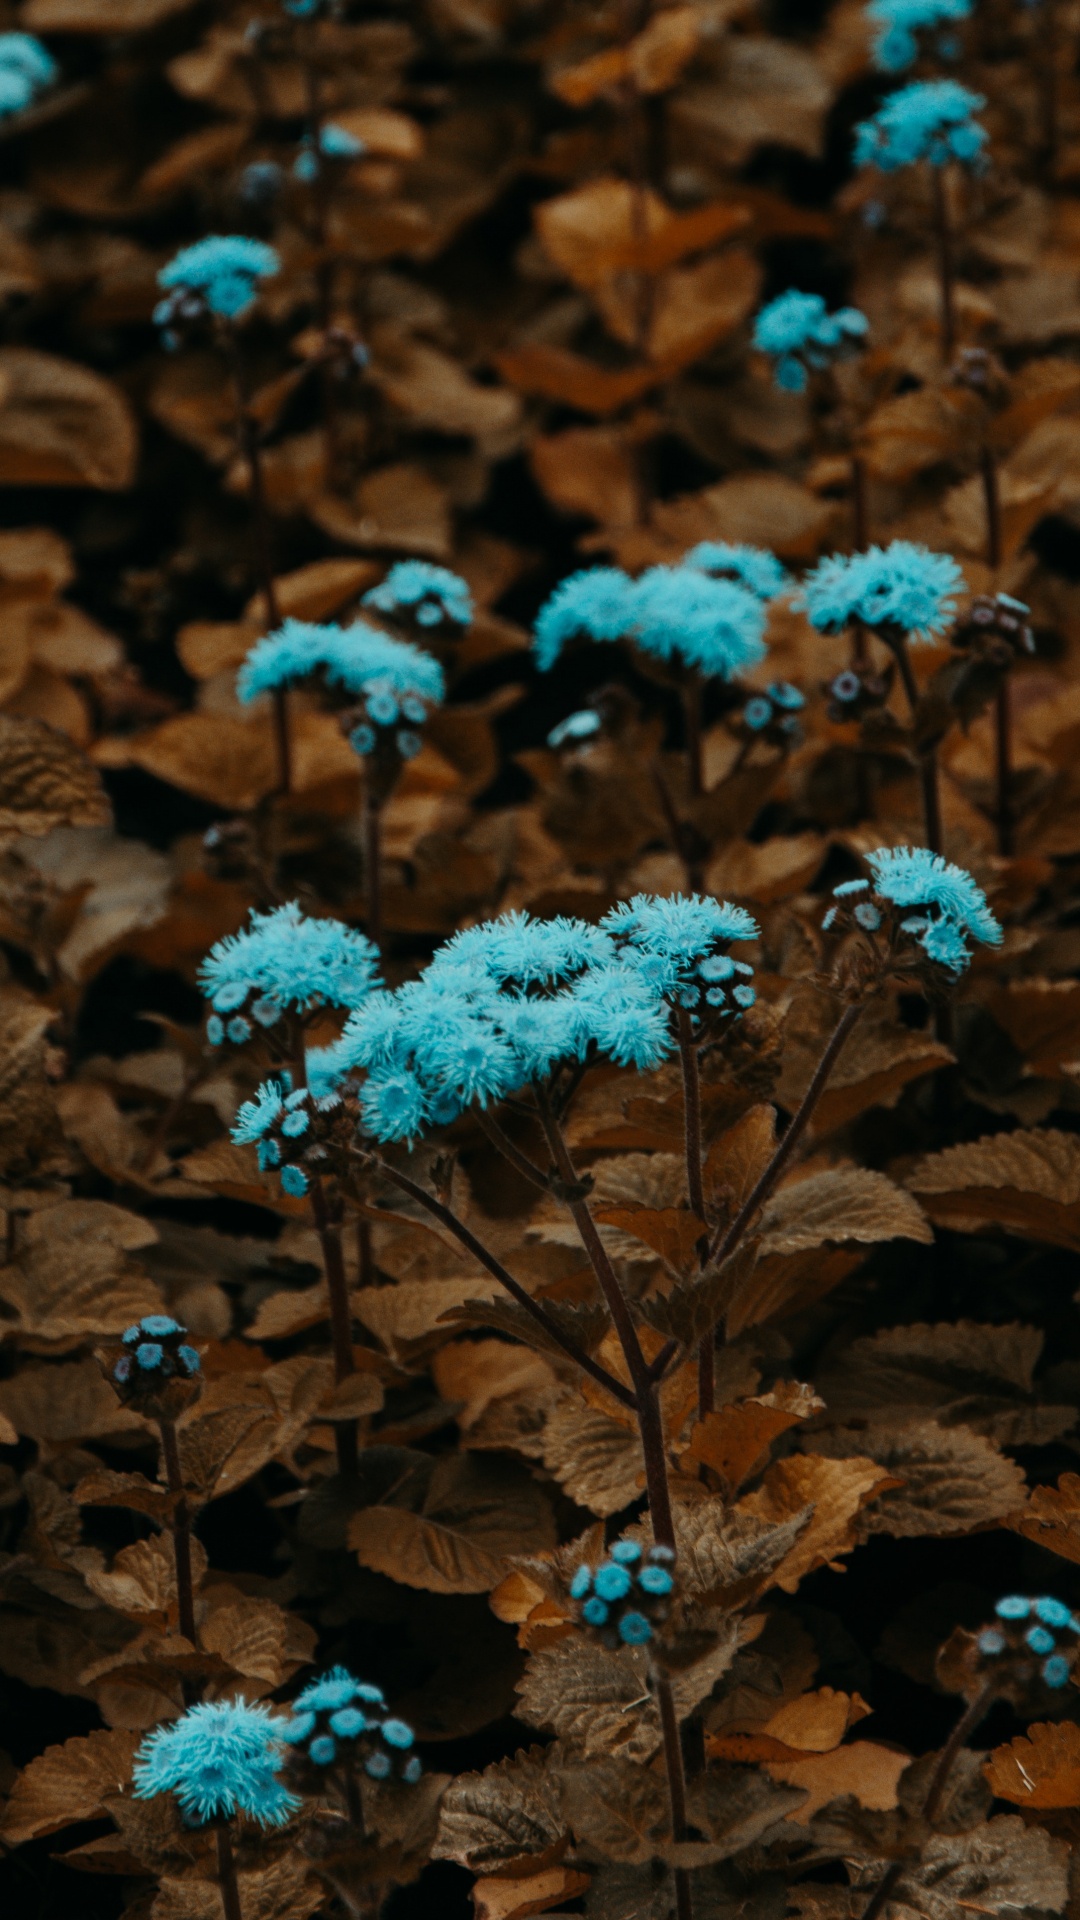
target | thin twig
[
  {"x": 695, "y": 1188},
  {"x": 262, "y": 553},
  {"x": 676, "y": 1781},
  {"x": 373, "y": 866},
  {"x": 226, "y": 1865},
  {"x": 927, "y": 756},
  {"x": 502, "y": 1141},
  {"x": 1002, "y": 701},
  {"x": 947, "y": 1758},
  {"x": 181, "y": 1532}
]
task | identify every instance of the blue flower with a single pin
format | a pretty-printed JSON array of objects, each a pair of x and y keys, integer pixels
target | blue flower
[
  {"x": 219, "y": 1759},
  {"x": 991, "y": 1641},
  {"x": 594, "y": 1612},
  {"x": 1052, "y": 1613},
  {"x": 357, "y": 658},
  {"x": 435, "y": 592},
  {"x": 1039, "y": 1640},
  {"x": 1056, "y": 1671},
  {"x": 898, "y": 22},
  {"x": 294, "y": 1180},
  {"x": 797, "y": 332},
  {"x": 952, "y": 909},
  {"x": 159, "y": 1326},
  {"x": 712, "y": 625},
  {"x": 26, "y": 69},
  {"x": 901, "y": 586},
  {"x": 332, "y": 1690},
  {"x": 626, "y": 1552},
  {"x": 754, "y": 568},
  {"x": 929, "y": 120},
  {"x": 393, "y": 1104},
  {"x": 671, "y": 943},
  {"x": 634, "y": 1629},
  {"x": 337, "y": 143},
  {"x": 222, "y": 270},
  {"x": 620, "y": 1014},
  {"x": 256, "y": 1117},
  {"x": 597, "y": 604},
  {"x": 611, "y": 1581},
  {"x": 757, "y": 713},
  {"x": 581, "y": 1584},
  {"x": 577, "y": 726},
  {"x": 519, "y": 950},
  {"x": 294, "y": 960}
]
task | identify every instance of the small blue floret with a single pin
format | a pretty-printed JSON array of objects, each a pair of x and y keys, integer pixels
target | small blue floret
[
  {"x": 1013, "y": 1606},
  {"x": 634, "y": 1629}
]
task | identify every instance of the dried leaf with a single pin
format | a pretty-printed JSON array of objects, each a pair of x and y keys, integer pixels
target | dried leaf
[
  {"x": 67, "y": 1784},
  {"x": 506, "y": 1817},
  {"x": 951, "y": 1481},
  {"x": 475, "y": 1515},
  {"x": 62, "y": 425},
  {"x": 46, "y": 782},
  {"x": 1002, "y": 1867},
  {"x": 1026, "y": 1182},
  {"x": 836, "y": 1491},
  {"x": 847, "y": 1203},
  {"x": 868, "y": 1772},
  {"x": 1040, "y": 1768},
  {"x": 499, "y": 1898},
  {"x": 1051, "y": 1517}
]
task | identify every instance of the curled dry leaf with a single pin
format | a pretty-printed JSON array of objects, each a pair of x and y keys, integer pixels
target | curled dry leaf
[
  {"x": 1027, "y": 1182},
  {"x": 1040, "y": 1768}
]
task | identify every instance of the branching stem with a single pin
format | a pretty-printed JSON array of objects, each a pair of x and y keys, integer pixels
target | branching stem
[{"x": 262, "y": 549}]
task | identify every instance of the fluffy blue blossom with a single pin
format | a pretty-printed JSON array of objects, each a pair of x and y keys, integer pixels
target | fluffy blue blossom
[
  {"x": 357, "y": 658},
  {"x": 901, "y": 586},
  {"x": 520, "y": 950},
  {"x": 289, "y": 960},
  {"x": 338, "y": 1707},
  {"x": 712, "y": 625},
  {"x": 433, "y": 593},
  {"x": 754, "y": 568},
  {"x": 26, "y": 69},
  {"x": 221, "y": 270},
  {"x": 674, "y": 944},
  {"x": 584, "y": 725},
  {"x": 929, "y": 120},
  {"x": 799, "y": 334},
  {"x": 620, "y": 1012},
  {"x": 951, "y": 907},
  {"x": 597, "y": 604},
  {"x": 334, "y": 143},
  {"x": 627, "y": 1595},
  {"x": 897, "y": 22},
  {"x": 219, "y": 1759}
]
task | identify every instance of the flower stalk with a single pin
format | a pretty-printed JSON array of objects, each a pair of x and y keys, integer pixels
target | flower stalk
[
  {"x": 1002, "y": 699},
  {"x": 227, "y": 1881}
]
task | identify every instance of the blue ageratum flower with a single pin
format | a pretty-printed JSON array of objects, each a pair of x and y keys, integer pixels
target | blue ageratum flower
[
  {"x": 396, "y": 682},
  {"x": 901, "y": 586},
  {"x": 754, "y": 568},
  {"x": 219, "y": 273},
  {"x": 341, "y": 1718},
  {"x": 800, "y": 335},
  {"x": 897, "y": 22},
  {"x": 678, "y": 944},
  {"x": 597, "y": 604},
  {"x": 285, "y": 959},
  {"x": 432, "y": 594},
  {"x": 26, "y": 69},
  {"x": 930, "y": 120},
  {"x": 712, "y": 625},
  {"x": 219, "y": 1759},
  {"x": 950, "y": 907}
]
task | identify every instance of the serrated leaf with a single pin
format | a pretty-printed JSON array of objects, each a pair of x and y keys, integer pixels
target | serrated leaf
[
  {"x": 1027, "y": 1182},
  {"x": 599, "y": 1702},
  {"x": 508, "y": 1816},
  {"x": 672, "y": 1232},
  {"x": 847, "y": 1203},
  {"x": 585, "y": 1324},
  {"x": 67, "y": 1784},
  {"x": 835, "y": 1499},
  {"x": 1051, "y": 1517},
  {"x": 476, "y": 1514},
  {"x": 1040, "y": 1768},
  {"x": 1003, "y": 1867},
  {"x": 698, "y": 1303},
  {"x": 952, "y": 1480},
  {"x": 966, "y": 1374}
]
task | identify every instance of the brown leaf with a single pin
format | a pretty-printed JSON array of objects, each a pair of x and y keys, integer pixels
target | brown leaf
[
  {"x": 142, "y": 1579},
  {"x": 478, "y": 1372},
  {"x": 46, "y": 782},
  {"x": 1027, "y": 1182},
  {"x": 590, "y": 470},
  {"x": 1003, "y": 1867},
  {"x": 846, "y": 1203},
  {"x": 950, "y": 1480},
  {"x": 1051, "y": 1517},
  {"x": 505, "y": 1818},
  {"x": 921, "y": 429},
  {"x": 475, "y": 1515},
  {"x": 97, "y": 16},
  {"x": 1039, "y": 1769},
  {"x": 1042, "y": 1019},
  {"x": 498, "y": 1898},
  {"x": 65, "y": 1403},
  {"x": 672, "y": 1232},
  {"x": 878, "y": 1060},
  {"x": 401, "y": 507},
  {"x": 251, "y": 1635},
  {"x": 67, "y": 1784},
  {"x": 62, "y": 425},
  {"x": 978, "y": 1376},
  {"x": 835, "y": 1490},
  {"x": 868, "y": 1772},
  {"x": 735, "y": 1441},
  {"x": 770, "y": 91}
]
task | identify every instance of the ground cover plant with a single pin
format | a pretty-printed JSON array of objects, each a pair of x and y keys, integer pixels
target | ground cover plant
[{"x": 539, "y": 959}]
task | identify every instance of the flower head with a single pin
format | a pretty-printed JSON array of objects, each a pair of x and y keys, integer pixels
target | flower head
[
  {"x": 713, "y": 625},
  {"x": 340, "y": 1717},
  {"x": 26, "y": 69},
  {"x": 220, "y": 1758},
  {"x": 433, "y": 594},
  {"x": 930, "y": 120},
  {"x": 754, "y": 568},
  {"x": 287, "y": 959},
  {"x": 798, "y": 333},
  {"x": 901, "y": 586},
  {"x": 597, "y": 604},
  {"x": 357, "y": 658},
  {"x": 627, "y": 1595},
  {"x": 221, "y": 270},
  {"x": 678, "y": 945},
  {"x": 943, "y": 908},
  {"x": 898, "y": 21}
]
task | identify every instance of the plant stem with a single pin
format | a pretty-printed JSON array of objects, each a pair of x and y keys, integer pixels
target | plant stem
[
  {"x": 373, "y": 865},
  {"x": 947, "y": 1758},
  {"x": 726, "y": 1243},
  {"x": 353, "y": 1802},
  {"x": 676, "y": 1779},
  {"x": 695, "y": 1188},
  {"x": 945, "y": 266},
  {"x": 226, "y": 1866},
  {"x": 262, "y": 551},
  {"x": 646, "y": 1390},
  {"x": 927, "y": 756},
  {"x": 692, "y": 716},
  {"x": 337, "y": 1287},
  {"x": 502, "y": 1141},
  {"x": 181, "y": 1531},
  {"x": 678, "y": 829},
  {"x": 860, "y": 504},
  {"x": 1002, "y": 700},
  {"x": 468, "y": 1239}
]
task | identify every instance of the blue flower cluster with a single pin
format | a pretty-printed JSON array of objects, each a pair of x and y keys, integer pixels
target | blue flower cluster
[
  {"x": 950, "y": 907},
  {"x": 901, "y": 587},
  {"x": 778, "y": 707},
  {"x": 26, "y": 69},
  {"x": 334, "y": 143},
  {"x": 627, "y": 1595},
  {"x": 507, "y": 1002},
  {"x": 284, "y": 959},
  {"x": 754, "y": 568},
  {"x": 157, "y": 1350},
  {"x": 341, "y": 1718},
  {"x": 1034, "y": 1618},
  {"x": 433, "y": 595},
  {"x": 583, "y": 725},
  {"x": 800, "y": 336},
  {"x": 278, "y": 1123},
  {"x": 219, "y": 1759},
  {"x": 673, "y": 613},
  {"x": 897, "y": 23},
  {"x": 396, "y": 681},
  {"x": 930, "y": 120},
  {"x": 216, "y": 275}
]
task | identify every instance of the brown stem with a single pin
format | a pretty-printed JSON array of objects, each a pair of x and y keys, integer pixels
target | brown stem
[
  {"x": 373, "y": 866},
  {"x": 947, "y": 1758},
  {"x": 927, "y": 756},
  {"x": 860, "y": 504},
  {"x": 646, "y": 1393},
  {"x": 945, "y": 266},
  {"x": 337, "y": 1287},
  {"x": 226, "y": 1866},
  {"x": 353, "y": 1802},
  {"x": 468, "y": 1239},
  {"x": 1002, "y": 703},
  {"x": 261, "y": 544},
  {"x": 676, "y": 1780},
  {"x": 691, "y": 695},
  {"x": 502, "y": 1141},
  {"x": 181, "y": 1532},
  {"x": 695, "y": 1188},
  {"x": 678, "y": 830},
  {"x": 725, "y": 1244}
]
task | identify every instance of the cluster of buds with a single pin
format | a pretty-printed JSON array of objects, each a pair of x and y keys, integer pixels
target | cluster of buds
[
  {"x": 374, "y": 725},
  {"x": 341, "y": 1721},
  {"x": 996, "y": 628},
  {"x": 918, "y": 908},
  {"x": 628, "y": 1595},
  {"x": 292, "y": 1128},
  {"x": 773, "y": 715},
  {"x": 158, "y": 1371},
  {"x": 240, "y": 1006},
  {"x": 982, "y": 373},
  {"x": 853, "y": 695},
  {"x": 1027, "y": 1653}
]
